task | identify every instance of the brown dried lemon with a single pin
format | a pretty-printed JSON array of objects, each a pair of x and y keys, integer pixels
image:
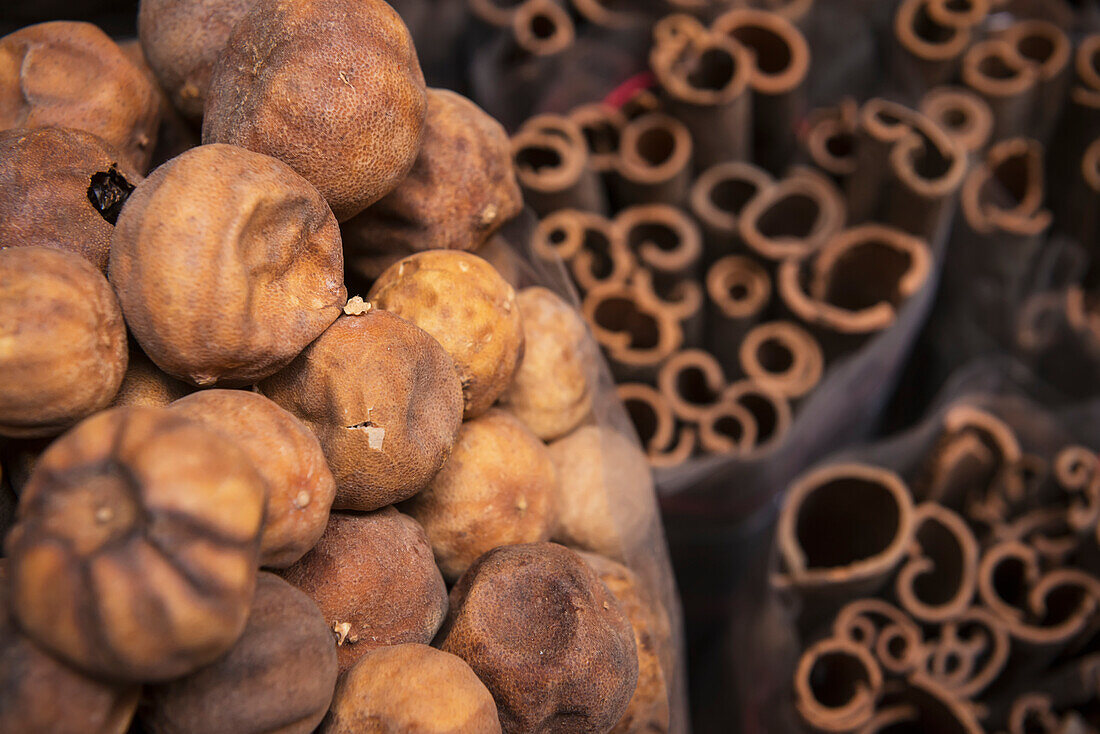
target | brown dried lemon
[
  {"x": 146, "y": 384},
  {"x": 331, "y": 87},
  {"x": 605, "y": 492},
  {"x": 175, "y": 134},
  {"x": 62, "y": 189},
  {"x": 461, "y": 189},
  {"x": 227, "y": 264},
  {"x": 412, "y": 689},
  {"x": 551, "y": 392},
  {"x": 498, "y": 488},
  {"x": 384, "y": 400},
  {"x": 62, "y": 341},
  {"x": 134, "y": 552},
  {"x": 41, "y": 694},
  {"x": 67, "y": 74},
  {"x": 462, "y": 301},
  {"x": 373, "y": 577},
  {"x": 278, "y": 677},
  {"x": 181, "y": 40},
  {"x": 300, "y": 486},
  {"x": 648, "y": 710}
]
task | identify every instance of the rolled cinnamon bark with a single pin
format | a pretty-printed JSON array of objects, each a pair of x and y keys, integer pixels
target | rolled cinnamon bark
[
  {"x": 929, "y": 42},
  {"x": 542, "y": 27},
  {"x": 842, "y": 532},
  {"x": 830, "y": 139},
  {"x": 855, "y": 285},
  {"x": 964, "y": 13},
  {"x": 938, "y": 581},
  {"x": 1038, "y": 631},
  {"x": 613, "y": 15},
  {"x": 636, "y": 336},
  {"x": 909, "y": 170},
  {"x": 770, "y": 411},
  {"x": 1047, "y": 47},
  {"x": 727, "y": 428},
  {"x": 603, "y": 257},
  {"x": 562, "y": 233},
  {"x": 783, "y": 356},
  {"x": 1046, "y": 530},
  {"x": 1008, "y": 83},
  {"x": 552, "y": 167},
  {"x": 1077, "y": 471},
  {"x": 793, "y": 218},
  {"x": 970, "y": 653},
  {"x": 782, "y": 61},
  {"x": 654, "y": 163},
  {"x": 680, "y": 297},
  {"x": 962, "y": 631},
  {"x": 676, "y": 26},
  {"x": 974, "y": 448},
  {"x": 738, "y": 291},
  {"x": 661, "y": 237},
  {"x": 1008, "y": 191},
  {"x": 921, "y": 704},
  {"x": 692, "y": 382},
  {"x": 1086, "y": 62},
  {"x": 589, "y": 245},
  {"x": 990, "y": 258},
  {"x": 667, "y": 244},
  {"x": 1031, "y": 704},
  {"x": 962, "y": 114},
  {"x": 602, "y": 126},
  {"x": 960, "y": 463},
  {"x": 836, "y": 684},
  {"x": 960, "y": 13},
  {"x": 880, "y": 124},
  {"x": 927, "y": 169},
  {"x": 666, "y": 443},
  {"x": 717, "y": 198},
  {"x": 1035, "y": 711},
  {"x": 705, "y": 76},
  {"x": 887, "y": 632}
]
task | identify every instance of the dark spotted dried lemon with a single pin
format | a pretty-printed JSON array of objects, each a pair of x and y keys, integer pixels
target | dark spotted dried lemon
[{"x": 546, "y": 637}]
